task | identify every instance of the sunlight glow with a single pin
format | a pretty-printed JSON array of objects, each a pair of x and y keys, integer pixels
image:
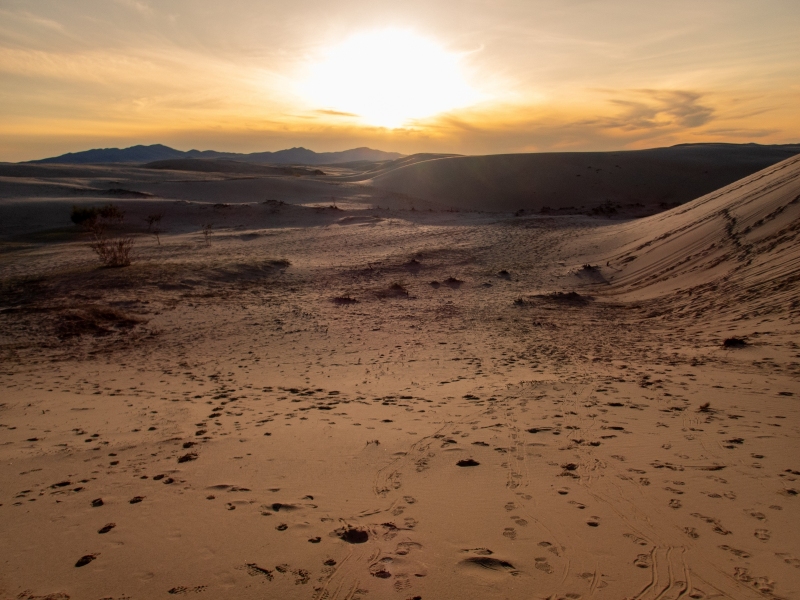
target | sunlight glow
[{"x": 388, "y": 78}]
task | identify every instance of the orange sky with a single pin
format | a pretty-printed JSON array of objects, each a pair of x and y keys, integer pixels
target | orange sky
[{"x": 468, "y": 76}]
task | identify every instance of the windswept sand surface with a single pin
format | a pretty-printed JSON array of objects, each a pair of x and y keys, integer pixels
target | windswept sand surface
[{"x": 366, "y": 404}]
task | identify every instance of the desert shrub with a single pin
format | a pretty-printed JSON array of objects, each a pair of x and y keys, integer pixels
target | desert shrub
[
  {"x": 113, "y": 252},
  {"x": 153, "y": 219},
  {"x": 154, "y": 225},
  {"x": 207, "y": 231},
  {"x": 110, "y": 212},
  {"x": 82, "y": 216}
]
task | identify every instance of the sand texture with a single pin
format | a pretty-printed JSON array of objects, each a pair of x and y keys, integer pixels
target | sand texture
[{"x": 344, "y": 402}]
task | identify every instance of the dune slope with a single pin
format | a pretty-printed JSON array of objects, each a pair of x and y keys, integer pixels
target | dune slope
[
  {"x": 507, "y": 182},
  {"x": 742, "y": 238}
]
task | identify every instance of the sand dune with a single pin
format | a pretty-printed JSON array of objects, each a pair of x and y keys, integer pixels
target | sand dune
[
  {"x": 745, "y": 234},
  {"x": 582, "y": 180},
  {"x": 352, "y": 403}
]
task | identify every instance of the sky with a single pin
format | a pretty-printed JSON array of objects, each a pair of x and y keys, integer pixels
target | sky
[{"x": 462, "y": 76}]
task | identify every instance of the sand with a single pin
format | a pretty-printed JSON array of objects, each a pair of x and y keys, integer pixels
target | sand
[{"x": 352, "y": 402}]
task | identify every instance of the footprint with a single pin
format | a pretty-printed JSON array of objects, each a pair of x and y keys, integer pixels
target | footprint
[
  {"x": 542, "y": 564},
  {"x": 85, "y": 560},
  {"x": 763, "y": 534},
  {"x": 510, "y": 506},
  {"x": 735, "y": 551},
  {"x": 403, "y": 548},
  {"x": 479, "y": 551},
  {"x": 577, "y": 504},
  {"x": 691, "y": 532},
  {"x": 493, "y": 564},
  {"x": 550, "y": 548},
  {"x": 593, "y": 522},
  {"x": 106, "y": 528},
  {"x": 675, "y": 503},
  {"x": 510, "y": 533},
  {"x": 636, "y": 539},
  {"x": 520, "y": 521},
  {"x": 643, "y": 561},
  {"x": 789, "y": 559}
]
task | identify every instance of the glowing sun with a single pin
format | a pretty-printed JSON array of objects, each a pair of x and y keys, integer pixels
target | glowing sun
[{"x": 388, "y": 78}]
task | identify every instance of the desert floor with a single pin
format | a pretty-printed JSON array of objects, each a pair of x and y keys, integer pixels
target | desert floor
[{"x": 321, "y": 403}]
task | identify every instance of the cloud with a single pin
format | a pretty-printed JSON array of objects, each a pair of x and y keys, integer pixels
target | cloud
[
  {"x": 658, "y": 109},
  {"x": 335, "y": 113},
  {"x": 136, "y": 5}
]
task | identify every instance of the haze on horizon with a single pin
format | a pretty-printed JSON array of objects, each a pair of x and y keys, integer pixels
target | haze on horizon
[{"x": 469, "y": 77}]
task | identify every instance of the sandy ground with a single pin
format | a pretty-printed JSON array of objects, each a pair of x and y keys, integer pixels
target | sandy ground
[{"x": 320, "y": 403}]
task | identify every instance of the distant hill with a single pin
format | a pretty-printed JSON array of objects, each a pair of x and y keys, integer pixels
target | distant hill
[
  {"x": 157, "y": 152},
  {"x": 561, "y": 180}
]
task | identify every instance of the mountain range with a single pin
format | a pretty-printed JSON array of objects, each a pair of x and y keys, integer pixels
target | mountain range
[{"x": 145, "y": 154}]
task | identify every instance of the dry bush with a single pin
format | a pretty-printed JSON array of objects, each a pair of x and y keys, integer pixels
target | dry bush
[
  {"x": 113, "y": 252},
  {"x": 207, "y": 231},
  {"x": 95, "y": 321},
  {"x": 154, "y": 225}
]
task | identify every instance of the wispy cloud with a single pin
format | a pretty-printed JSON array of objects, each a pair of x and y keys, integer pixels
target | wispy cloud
[
  {"x": 136, "y": 5},
  {"x": 658, "y": 109},
  {"x": 334, "y": 113}
]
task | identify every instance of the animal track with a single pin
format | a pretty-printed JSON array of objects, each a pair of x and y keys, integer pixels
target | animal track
[
  {"x": 763, "y": 534},
  {"x": 739, "y": 553}
]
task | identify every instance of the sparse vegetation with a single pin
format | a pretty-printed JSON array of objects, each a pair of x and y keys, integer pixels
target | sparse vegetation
[
  {"x": 395, "y": 290},
  {"x": 734, "y": 342},
  {"x": 344, "y": 300},
  {"x": 82, "y": 216},
  {"x": 154, "y": 225},
  {"x": 206, "y": 229},
  {"x": 112, "y": 251},
  {"x": 95, "y": 321}
]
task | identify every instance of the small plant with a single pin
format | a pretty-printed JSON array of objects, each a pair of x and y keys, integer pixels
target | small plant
[
  {"x": 207, "y": 231},
  {"x": 734, "y": 342},
  {"x": 154, "y": 225},
  {"x": 113, "y": 252},
  {"x": 110, "y": 212},
  {"x": 83, "y": 216},
  {"x": 153, "y": 220}
]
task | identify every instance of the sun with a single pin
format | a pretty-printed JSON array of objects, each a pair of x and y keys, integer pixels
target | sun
[{"x": 388, "y": 78}]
